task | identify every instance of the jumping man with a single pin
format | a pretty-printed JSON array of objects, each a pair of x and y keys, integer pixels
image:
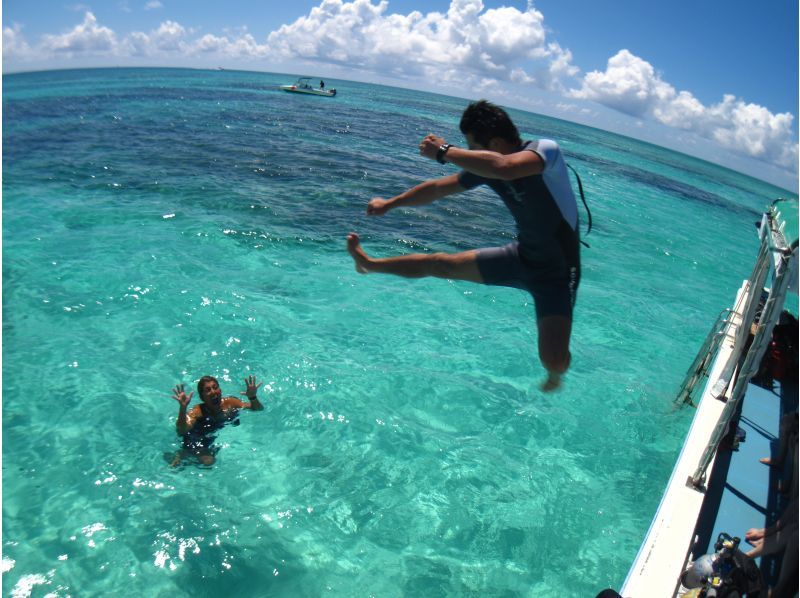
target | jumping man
[{"x": 531, "y": 178}]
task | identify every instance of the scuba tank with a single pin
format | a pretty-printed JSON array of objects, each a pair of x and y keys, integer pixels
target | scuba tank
[{"x": 727, "y": 572}]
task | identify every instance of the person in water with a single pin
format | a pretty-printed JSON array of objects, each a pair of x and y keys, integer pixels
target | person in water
[
  {"x": 532, "y": 180},
  {"x": 199, "y": 425}
]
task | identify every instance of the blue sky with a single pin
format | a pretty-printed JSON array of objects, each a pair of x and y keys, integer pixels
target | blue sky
[{"x": 717, "y": 79}]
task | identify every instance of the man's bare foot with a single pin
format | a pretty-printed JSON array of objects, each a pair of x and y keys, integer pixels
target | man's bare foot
[
  {"x": 552, "y": 383},
  {"x": 359, "y": 257}
]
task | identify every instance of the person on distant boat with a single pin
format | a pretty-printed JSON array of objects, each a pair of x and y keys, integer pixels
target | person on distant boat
[
  {"x": 199, "y": 426},
  {"x": 322, "y": 85},
  {"x": 531, "y": 178}
]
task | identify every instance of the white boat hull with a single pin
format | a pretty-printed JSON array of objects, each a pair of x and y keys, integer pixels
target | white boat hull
[{"x": 312, "y": 91}]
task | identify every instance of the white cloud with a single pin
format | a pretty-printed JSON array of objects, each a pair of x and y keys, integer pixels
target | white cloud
[
  {"x": 467, "y": 43},
  {"x": 173, "y": 39},
  {"x": 138, "y": 44},
  {"x": 632, "y": 86},
  {"x": 90, "y": 39},
  {"x": 153, "y": 5},
  {"x": 245, "y": 46},
  {"x": 629, "y": 85},
  {"x": 15, "y": 47},
  {"x": 86, "y": 38},
  {"x": 169, "y": 37},
  {"x": 754, "y": 130}
]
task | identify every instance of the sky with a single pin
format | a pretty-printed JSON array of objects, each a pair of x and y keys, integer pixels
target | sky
[{"x": 717, "y": 79}]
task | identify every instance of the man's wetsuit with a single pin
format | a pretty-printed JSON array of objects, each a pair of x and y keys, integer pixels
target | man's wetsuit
[{"x": 545, "y": 258}]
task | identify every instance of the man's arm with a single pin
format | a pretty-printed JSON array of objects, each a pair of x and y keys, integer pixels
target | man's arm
[
  {"x": 492, "y": 165},
  {"x": 422, "y": 194}
]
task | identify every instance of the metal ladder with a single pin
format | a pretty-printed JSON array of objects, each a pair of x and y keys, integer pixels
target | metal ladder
[{"x": 703, "y": 359}]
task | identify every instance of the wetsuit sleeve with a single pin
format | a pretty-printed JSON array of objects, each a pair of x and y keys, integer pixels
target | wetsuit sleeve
[
  {"x": 469, "y": 180},
  {"x": 547, "y": 149}
]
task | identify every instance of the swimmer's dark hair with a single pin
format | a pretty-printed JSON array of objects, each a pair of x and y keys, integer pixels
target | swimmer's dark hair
[
  {"x": 485, "y": 121},
  {"x": 201, "y": 383}
]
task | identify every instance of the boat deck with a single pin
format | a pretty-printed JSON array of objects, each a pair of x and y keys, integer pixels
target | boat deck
[{"x": 742, "y": 493}]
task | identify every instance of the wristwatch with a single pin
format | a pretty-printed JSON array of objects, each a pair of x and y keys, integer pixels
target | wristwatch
[{"x": 442, "y": 151}]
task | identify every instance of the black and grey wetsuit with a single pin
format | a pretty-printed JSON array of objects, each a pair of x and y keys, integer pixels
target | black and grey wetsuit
[{"x": 545, "y": 258}]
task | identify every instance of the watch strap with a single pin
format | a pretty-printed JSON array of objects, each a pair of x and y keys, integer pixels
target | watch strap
[{"x": 441, "y": 153}]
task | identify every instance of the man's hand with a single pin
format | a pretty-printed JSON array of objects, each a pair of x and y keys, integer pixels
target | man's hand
[
  {"x": 252, "y": 387},
  {"x": 377, "y": 207},
  {"x": 179, "y": 395},
  {"x": 429, "y": 146}
]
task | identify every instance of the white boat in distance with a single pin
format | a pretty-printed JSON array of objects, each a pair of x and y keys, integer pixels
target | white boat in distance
[{"x": 303, "y": 85}]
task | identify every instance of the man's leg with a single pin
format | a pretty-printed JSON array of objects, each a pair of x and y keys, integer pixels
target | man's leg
[
  {"x": 554, "y": 333},
  {"x": 455, "y": 266}
]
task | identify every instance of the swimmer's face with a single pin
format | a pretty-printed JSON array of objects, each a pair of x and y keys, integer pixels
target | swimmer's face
[{"x": 211, "y": 393}]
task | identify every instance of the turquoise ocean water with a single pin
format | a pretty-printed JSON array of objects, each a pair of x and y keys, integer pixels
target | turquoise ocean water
[{"x": 159, "y": 225}]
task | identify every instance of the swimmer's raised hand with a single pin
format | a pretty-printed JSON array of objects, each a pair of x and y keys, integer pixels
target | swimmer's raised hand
[
  {"x": 252, "y": 387},
  {"x": 179, "y": 395},
  {"x": 377, "y": 207}
]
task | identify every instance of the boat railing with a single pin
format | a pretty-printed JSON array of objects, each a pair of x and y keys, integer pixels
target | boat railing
[
  {"x": 773, "y": 249},
  {"x": 704, "y": 357}
]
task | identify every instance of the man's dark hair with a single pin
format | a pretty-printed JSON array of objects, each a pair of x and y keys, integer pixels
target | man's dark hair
[
  {"x": 202, "y": 382},
  {"x": 485, "y": 121}
]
